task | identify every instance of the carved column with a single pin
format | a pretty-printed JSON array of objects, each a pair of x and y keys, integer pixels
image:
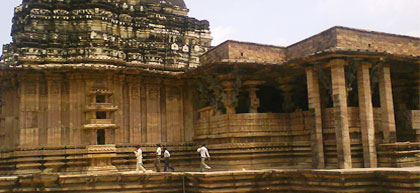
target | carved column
[
  {"x": 228, "y": 103},
  {"x": 254, "y": 100},
  {"x": 340, "y": 113},
  {"x": 387, "y": 104},
  {"x": 54, "y": 132},
  {"x": 366, "y": 115},
  {"x": 314, "y": 101},
  {"x": 288, "y": 105}
]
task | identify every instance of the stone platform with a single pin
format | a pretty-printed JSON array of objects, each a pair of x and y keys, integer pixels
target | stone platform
[{"x": 404, "y": 180}]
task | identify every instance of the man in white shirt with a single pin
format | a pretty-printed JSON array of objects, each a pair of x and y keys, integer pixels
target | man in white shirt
[
  {"x": 167, "y": 156},
  {"x": 204, "y": 153},
  {"x": 139, "y": 156},
  {"x": 158, "y": 155}
]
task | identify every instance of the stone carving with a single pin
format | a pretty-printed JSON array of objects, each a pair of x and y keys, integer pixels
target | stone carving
[{"x": 121, "y": 34}]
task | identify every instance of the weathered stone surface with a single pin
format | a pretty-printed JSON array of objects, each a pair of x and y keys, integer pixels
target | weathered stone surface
[
  {"x": 340, "y": 181},
  {"x": 115, "y": 75}
]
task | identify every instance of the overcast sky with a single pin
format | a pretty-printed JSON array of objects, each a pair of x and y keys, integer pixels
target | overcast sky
[{"x": 284, "y": 22}]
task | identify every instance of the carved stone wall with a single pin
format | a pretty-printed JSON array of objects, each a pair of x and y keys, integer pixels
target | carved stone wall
[
  {"x": 49, "y": 115},
  {"x": 257, "y": 140}
]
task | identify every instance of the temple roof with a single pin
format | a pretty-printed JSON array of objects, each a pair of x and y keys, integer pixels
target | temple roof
[
  {"x": 336, "y": 40},
  {"x": 179, "y": 3},
  {"x": 147, "y": 34}
]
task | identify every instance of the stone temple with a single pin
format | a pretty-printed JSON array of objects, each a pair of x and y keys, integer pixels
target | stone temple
[{"x": 86, "y": 82}]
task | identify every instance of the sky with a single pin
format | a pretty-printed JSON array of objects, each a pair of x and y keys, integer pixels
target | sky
[{"x": 284, "y": 22}]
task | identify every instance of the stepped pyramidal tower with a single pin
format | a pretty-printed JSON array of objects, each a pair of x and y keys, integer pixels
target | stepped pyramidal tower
[
  {"x": 110, "y": 34},
  {"x": 98, "y": 72}
]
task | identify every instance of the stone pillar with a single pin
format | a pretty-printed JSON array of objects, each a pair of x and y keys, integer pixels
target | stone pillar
[
  {"x": 253, "y": 98},
  {"x": 230, "y": 107},
  {"x": 120, "y": 132},
  {"x": 387, "y": 105},
  {"x": 288, "y": 105},
  {"x": 366, "y": 116},
  {"x": 54, "y": 133},
  {"x": 314, "y": 101},
  {"x": 340, "y": 113}
]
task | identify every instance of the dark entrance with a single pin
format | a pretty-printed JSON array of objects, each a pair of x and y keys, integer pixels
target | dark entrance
[{"x": 100, "y": 137}]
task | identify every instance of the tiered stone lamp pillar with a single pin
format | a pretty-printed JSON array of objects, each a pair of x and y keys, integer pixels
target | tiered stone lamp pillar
[{"x": 100, "y": 131}]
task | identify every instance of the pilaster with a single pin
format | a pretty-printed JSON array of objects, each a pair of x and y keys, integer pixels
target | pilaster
[
  {"x": 54, "y": 133},
  {"x": 76, "y": 105},
  {"x": 340, "y": 113},
  {"x": 174, "y": 111},
  {"x": 134, "y": 110},
  {"x": 366, "y": 115},
  {"x": 120, "y": 133},
  {"x": 29, "y": 109},
  {"x": 153, "y": 115}
]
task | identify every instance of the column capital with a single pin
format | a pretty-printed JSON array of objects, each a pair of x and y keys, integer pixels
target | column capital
[
  {"x": 227, "y": 84},
  {"x": 253, "y": 83},
  {"x": 365, "y": 63},
  {"x": 337, "y": 62}
]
